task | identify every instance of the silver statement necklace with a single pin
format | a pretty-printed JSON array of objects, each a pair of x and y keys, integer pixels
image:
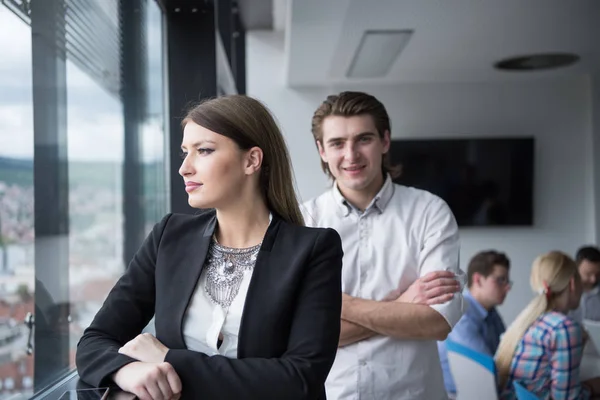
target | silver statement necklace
[{"x": 225, "y": 267}]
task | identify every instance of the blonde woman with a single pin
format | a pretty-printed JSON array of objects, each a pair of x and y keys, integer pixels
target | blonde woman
[{"x": 543, "y": 347}]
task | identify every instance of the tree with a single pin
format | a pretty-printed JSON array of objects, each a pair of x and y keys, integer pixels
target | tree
[
  {"x": 24, "y": 293},
  {"x": 16, "y": 218}
]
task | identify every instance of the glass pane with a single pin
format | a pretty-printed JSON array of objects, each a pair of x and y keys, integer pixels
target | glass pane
[
  {"x": 95, "y": 152},
  {"x": 62, "y": 240},
  {"x": 154, "y": 136},
  {"x": 16, "y": 204}
]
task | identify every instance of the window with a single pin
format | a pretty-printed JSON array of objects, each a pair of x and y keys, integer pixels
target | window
[{"x": 82, "y": 169}]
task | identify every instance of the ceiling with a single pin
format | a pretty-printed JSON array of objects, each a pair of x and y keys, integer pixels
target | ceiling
[
  {"x": 263, "y": 14},
  {"x": 452, "y": 41},
  {"x": 256, "y": 14}
]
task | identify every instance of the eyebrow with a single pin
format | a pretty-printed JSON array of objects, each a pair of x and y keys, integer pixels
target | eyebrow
[
  {"x": 359, "y": 136},
  {"x": 196, "y": 144}
]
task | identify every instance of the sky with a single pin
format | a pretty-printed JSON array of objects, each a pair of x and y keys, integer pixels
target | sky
[{"x": 94, "y": 116}]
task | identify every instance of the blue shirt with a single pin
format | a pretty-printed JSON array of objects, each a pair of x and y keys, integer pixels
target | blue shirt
[
  {"x": 589, "y": 306},
  {"x": 478, "y": 330}
]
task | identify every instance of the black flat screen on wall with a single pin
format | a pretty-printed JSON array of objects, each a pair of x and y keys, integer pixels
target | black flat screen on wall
[{"x": 486, "y": 182}]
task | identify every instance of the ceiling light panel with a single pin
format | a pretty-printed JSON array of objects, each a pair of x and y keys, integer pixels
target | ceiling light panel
[{"x": 377, "y": 52}]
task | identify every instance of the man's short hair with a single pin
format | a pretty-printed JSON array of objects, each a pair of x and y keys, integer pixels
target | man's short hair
[
  {"x": 587, "y": 253},
  {"x": 484, "y": 262}
]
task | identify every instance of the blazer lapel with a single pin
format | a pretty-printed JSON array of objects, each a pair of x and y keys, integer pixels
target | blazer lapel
[
  {"x": 256, "y": 300},
  {"x": 189, "y": 271}
]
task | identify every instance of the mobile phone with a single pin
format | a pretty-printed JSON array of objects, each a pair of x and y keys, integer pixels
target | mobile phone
[{"x": 86, "y": 394}]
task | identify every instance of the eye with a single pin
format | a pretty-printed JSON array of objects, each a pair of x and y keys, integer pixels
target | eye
[
  {"x": 365, "y": 139},
  {"x": 205, "y": 151},
  {"x": 183, "y": 154},
  {"x": 336, "y": 144}
]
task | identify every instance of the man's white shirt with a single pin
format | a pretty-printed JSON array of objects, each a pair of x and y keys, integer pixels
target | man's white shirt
[{"x": 404, "y": 234}]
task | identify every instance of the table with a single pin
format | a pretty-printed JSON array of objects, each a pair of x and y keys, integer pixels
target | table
[{"x": 72, "y": 382}]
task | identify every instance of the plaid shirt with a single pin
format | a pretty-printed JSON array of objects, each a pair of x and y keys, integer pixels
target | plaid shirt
[{"x": 547, "y": 359}]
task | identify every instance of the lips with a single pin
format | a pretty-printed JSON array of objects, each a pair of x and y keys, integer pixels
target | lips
[
  {"x": 191, "y": 186},
  {"x": 355, "y": 169}
]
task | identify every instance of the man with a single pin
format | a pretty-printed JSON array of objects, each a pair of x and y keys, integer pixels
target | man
[
  {"x": 481, "y": 326},
  {"x": 588, "y": 263},
  {"x": 397, "y": 240}
]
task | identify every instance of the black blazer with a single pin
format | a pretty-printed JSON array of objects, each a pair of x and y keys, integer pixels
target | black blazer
[{"x": 290, "y": 324}]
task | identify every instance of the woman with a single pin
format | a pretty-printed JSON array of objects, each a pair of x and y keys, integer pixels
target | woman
[
  {"x": 247, "y": 300},
  {"x": 543, "y": 347}
]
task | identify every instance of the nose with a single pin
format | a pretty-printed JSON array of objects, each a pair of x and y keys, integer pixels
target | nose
[
  {"x": 186, "y": 167},
  {"x": 351, "y": 154}
]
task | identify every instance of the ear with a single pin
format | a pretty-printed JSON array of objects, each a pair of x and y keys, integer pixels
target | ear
[
  {"x": 477, "y": 278},
  {"x": 387, "y": 141},
  {"x": 254, "y": 159},
  {"x": 322, "y": 152}
]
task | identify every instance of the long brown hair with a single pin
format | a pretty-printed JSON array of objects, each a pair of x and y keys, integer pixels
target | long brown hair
[
  {"x": 249, "y": 123},
  {"x": 350, "y": 104}
]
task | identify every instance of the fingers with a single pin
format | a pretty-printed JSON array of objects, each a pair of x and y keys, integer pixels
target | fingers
[
  {"x": 142, "y": 393},
  {"x": 440, "y": 299},
  {"x": 154, "y": 389},
  {"x": 431, "y": 276},
  {"x": 155, "y": 382},
  {"x": 437, "y": 291},
  {"x": 447, "y": 282},
  {"x": 172, "y": 377},
  {"x": 165, "y": 388}
]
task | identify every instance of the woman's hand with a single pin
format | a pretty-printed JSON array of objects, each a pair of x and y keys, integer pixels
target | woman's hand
[
  {"x": 146, "y": 348},
  {"x": 149, "y": 381}
]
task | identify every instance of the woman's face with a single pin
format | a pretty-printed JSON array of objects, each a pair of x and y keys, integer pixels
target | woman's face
[{"x": 214, "y": 168}]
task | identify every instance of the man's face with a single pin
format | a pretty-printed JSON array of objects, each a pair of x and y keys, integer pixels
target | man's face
[
  {"x": 494, "y": 287},
  {"x": 353, "y": 150},
  {"x": 590, "y": 274}
]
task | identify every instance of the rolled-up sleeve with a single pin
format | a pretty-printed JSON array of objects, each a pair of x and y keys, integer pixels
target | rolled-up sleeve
[{"x": 440, "y": 252}]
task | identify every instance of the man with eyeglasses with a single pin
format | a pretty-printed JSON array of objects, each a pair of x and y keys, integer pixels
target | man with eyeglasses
[{"x": 481, "y": 326}]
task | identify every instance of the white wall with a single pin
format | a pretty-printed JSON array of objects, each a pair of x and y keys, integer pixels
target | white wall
[
  {"x": 594, "y": 149},
  {"x": 557, "y": 113}
]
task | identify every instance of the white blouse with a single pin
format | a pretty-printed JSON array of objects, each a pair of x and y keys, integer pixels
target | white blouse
[{"x": 205, "y": 320}]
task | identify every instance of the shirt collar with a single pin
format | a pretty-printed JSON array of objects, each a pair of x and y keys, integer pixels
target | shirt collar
[
  {"x": 379, "y": 202},
  {"x": 477, "y": 309}
]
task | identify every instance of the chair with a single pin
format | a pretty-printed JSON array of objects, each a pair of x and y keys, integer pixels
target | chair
[
  {"x": 522, "y": 393},
  {"x": 474, "y": 373},
  {"x": 593, "y": 329}
]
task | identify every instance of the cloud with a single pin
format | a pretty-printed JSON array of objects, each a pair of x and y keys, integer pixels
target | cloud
[
  {"x": 16, "y": 131},
  {"x": 15, "y": 40},
  {"x": 95, "y": 126}
]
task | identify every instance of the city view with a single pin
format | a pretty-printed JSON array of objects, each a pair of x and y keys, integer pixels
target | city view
[
  {"x": 95, "y": 253},
  {"x": 95, "y": 258}
]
